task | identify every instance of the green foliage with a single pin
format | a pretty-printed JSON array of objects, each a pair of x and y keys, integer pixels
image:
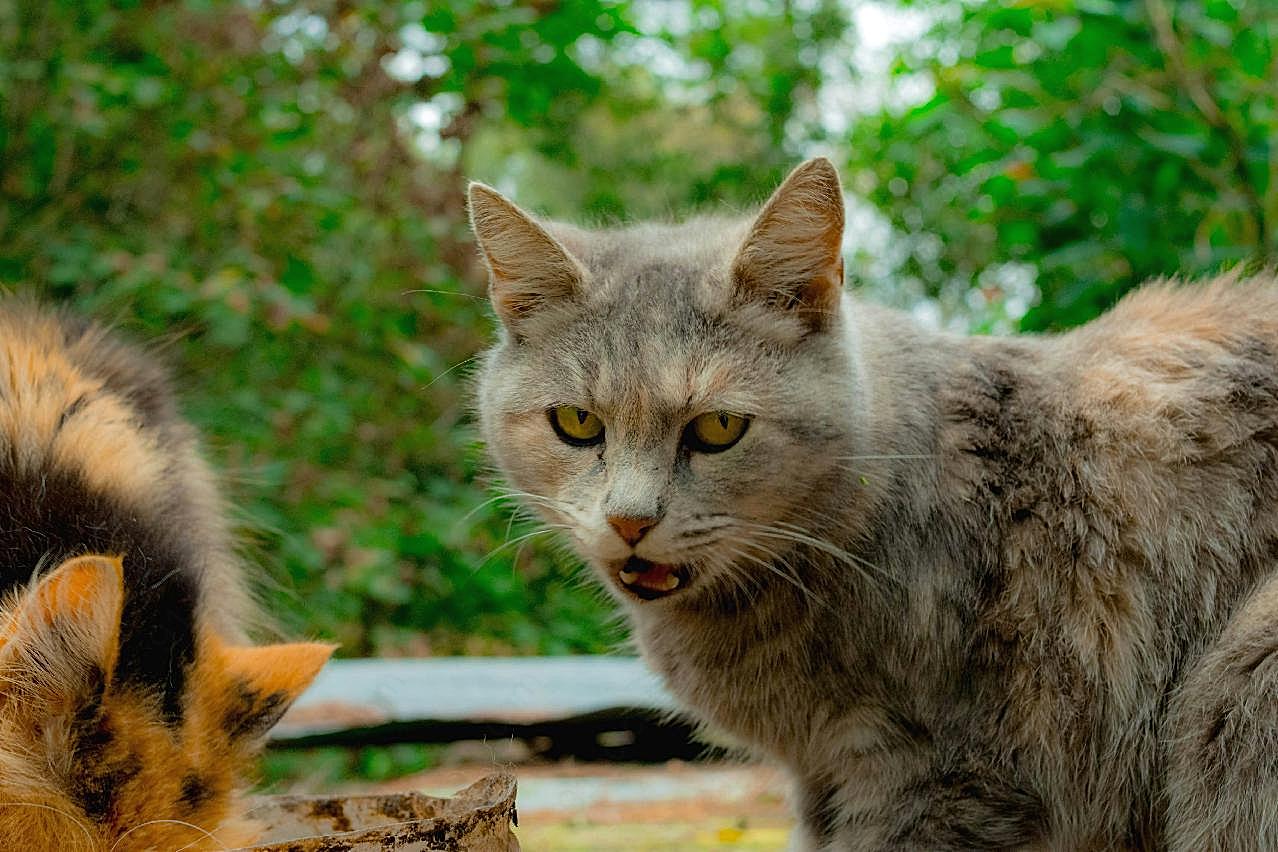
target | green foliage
[
  {"x": 323, "y": 768},
  {"x": 230, "y": 177},
  {"x": 1099, "y": 142},
  {"x": 276, "y": 189}
]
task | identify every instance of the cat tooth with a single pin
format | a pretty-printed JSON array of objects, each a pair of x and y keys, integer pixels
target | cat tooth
[
  {"x": 670, "y": 582},
  {"x": 629, "y": 577}
]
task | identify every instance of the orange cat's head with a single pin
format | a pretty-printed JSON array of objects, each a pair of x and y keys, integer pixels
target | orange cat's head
[{"x": 88, "y": 763}]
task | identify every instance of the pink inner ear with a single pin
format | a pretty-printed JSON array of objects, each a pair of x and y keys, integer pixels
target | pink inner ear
[
  {"x": 528, "y": 267},
  {"x": 792, "y": 257}
]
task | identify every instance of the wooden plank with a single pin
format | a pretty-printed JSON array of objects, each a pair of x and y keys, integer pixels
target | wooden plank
[{"x": 521, "y": 691}]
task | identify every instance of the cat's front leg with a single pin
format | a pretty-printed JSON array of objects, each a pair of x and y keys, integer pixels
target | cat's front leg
[
  {"x": 937, "y": 809},
  {"x": 1222, "y": 738},
  {"x": 821, "y": 807},
  {"x": 843, "y": 811}
]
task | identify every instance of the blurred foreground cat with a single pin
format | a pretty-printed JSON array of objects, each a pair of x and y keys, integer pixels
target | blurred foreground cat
[
  {"x": 973, "y": 593},
  {"x": 129, "y": 707}
]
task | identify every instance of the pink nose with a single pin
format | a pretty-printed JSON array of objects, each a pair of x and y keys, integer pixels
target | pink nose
[{"x": 631, "y": 529}]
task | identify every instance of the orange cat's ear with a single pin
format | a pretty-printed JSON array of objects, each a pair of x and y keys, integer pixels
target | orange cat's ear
[
  {"x": 528, "y": 268},
  {"x": 258, "y": 684},
  {"x": 60, "y": 640},
  {"x": 792, "y": 259}
]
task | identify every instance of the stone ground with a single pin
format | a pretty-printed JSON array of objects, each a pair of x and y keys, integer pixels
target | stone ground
[{"x": 571, "y": 807}]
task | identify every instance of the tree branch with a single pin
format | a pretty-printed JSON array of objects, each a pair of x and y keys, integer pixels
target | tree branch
[{"x": 1196, "y": 87}]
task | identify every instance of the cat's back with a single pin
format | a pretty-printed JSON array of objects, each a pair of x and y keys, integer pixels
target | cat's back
[
  {"x": 77, "y": 402},
  {"x": 1150, "y": 430},
  {"x": 95, "y": 458},
  {"x": 1123, "y": 476},
  {"x": 1180, "y": 373}
]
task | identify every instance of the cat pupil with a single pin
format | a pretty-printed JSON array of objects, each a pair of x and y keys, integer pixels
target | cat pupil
[
  {"x": 581, "y": 417},
  {"x": 723, "y": 420}
]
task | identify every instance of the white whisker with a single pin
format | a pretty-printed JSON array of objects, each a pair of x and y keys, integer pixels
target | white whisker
[
  {"x": 495, "y": 498},
  {"x": 789, "y": 575},
  {"x": 798, "y": 535},
  {"x": 550, "y": 528},
  {"x": 445, "y": 293},
  {"x": 207, "y": 835},
  {"x": 446, "y": 372}
]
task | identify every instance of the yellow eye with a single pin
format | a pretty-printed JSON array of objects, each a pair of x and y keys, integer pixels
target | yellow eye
[
  {"x": 576, "y": 426},
  {"x": 715, "y": 431}
]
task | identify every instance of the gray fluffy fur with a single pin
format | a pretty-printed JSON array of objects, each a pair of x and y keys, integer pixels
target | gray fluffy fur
[{"x": 972, "y": 593}]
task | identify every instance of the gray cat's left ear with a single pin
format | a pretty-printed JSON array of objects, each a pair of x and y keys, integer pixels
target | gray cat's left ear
[
  {"x": 792, "y": 259},
  {"x": 528, "y": 268}
]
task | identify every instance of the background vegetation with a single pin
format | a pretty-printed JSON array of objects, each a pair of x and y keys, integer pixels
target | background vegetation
[{"x": 275, "y": 190}]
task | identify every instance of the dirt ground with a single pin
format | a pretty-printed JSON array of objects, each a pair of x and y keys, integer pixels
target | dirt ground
[{"x": 614, "y": 807}]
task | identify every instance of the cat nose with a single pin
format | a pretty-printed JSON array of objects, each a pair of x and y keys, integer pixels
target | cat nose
[{"x": 631, "y": 529}]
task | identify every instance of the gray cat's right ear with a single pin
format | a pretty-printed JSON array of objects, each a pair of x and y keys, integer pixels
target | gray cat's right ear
[
  {"x": 528, "y": 269},
  {"x": 792, "y": 259}
]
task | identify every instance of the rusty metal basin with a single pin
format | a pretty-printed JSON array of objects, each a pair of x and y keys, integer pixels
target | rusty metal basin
[{"x": 476, "y": 819}]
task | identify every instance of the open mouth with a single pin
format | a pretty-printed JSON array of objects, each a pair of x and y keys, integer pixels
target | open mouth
[{"x": 651, "y": 580}]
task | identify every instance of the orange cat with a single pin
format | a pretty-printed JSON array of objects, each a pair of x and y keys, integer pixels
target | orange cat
[
  {"x": 130, "y": 706},
  {"x": 89, "y": 762}
]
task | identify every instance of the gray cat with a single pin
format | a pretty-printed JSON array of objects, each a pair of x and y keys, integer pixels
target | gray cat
[{"x": 972, "y": 593}]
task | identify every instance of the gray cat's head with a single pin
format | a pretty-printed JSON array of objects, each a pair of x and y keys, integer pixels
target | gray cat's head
[{"x": 671, "y": 396}]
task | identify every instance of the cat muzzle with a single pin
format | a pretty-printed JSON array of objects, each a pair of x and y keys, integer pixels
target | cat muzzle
[{"x": 650, "y": 580}]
